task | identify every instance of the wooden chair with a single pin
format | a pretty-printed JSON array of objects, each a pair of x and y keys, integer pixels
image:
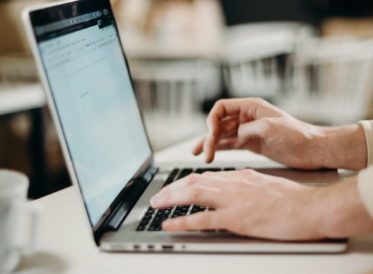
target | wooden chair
[
  {"x": 332, "y": 81},
  {"x": 170, "y": 93},
  {"x": 257, "y": 57}
]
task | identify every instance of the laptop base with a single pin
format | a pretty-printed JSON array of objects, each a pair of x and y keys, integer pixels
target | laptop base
[{"x": 209, "y": 242}]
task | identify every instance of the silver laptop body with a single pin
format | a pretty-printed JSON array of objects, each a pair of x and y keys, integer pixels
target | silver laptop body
[{"x": 90, "y": 94}]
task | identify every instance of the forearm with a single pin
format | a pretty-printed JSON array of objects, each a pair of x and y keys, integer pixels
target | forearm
[
  {"x": 342, "y": 147},
  {"x": 338, "y": 211}
]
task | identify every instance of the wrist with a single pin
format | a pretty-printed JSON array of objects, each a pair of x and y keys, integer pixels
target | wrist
[
  {"x": 342, "y": 147},
  {"x": 338, "y": 211}
]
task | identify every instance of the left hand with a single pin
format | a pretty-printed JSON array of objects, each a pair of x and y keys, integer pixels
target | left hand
[{"x": 246, "y": 203}]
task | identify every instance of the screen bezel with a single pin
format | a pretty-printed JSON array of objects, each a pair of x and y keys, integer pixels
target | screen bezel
[{"x": 50, "y": 13}]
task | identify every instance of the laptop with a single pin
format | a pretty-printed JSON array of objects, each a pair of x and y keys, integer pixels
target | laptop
[{"x": 91, "y": 96}]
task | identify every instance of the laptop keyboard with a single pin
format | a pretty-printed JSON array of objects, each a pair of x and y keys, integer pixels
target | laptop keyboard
[{"x": 153, "y": 218}]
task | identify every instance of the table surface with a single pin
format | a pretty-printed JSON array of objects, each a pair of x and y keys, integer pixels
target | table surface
[{"x": 66, "y": 245}]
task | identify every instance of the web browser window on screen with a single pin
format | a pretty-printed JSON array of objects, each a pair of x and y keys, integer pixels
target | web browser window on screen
[{"x": 95, "y": 103}]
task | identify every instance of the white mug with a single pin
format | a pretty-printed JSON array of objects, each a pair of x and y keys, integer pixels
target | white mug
[{"x": 17, "y": 219}]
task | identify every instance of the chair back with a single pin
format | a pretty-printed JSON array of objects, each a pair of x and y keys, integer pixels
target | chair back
[
  {"x": 333, "y": 83},
  {"x": 257, "y": 57}
]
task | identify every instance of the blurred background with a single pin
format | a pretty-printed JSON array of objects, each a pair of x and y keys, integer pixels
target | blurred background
[{"x": 312, "y": 58}]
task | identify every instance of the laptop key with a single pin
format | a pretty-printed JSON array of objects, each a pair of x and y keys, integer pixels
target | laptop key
[
  {"x": 185, "y": 172},
  {"x": 140, "y": 227},
  {"x": 202, "y": 170},
  {"x": 216, "y": 169},
  {"x": 197, "y": 208},
  {"x": 180, "y": 211},
  {"x": 171, "y": 176},
  {"x": 161, "y": 215},
  {"x": 199, "y": 170},
  {"x": 152, "y": 219},
  {"x": 156, "y": 227}
]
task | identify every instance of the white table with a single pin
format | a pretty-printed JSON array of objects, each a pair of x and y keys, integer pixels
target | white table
[{"x": 67, "y": 247}]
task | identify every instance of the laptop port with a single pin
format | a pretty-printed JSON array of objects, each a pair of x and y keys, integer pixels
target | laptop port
[
  {"x": 136, "y": 246},
  {"x": 151, "y": 246},
  {"x": 167, "y": 247}
]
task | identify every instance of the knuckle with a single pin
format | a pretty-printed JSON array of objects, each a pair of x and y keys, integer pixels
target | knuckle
[
  {"x": 208, "y": 173},
  {"x": 191, "y": 180},
  {"x": 247, "y": 171},
  {"x": 260, "y": 101},
  {"x": 267, "y": 120},
  {"x": 210, "y": 117},
  {"x": 220, "y": 102},
  {"x": 195, "y": 193},
  {"x": 188, "y": 182},
  {"x": 216, "y": 106},
  {"x": 194, "y": 177},
  {"x": 257, "y": 101},
  {"x": 166, "y": 195}
]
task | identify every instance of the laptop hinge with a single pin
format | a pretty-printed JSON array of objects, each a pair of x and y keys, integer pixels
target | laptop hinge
[
  {"x": 149, "y": 173},
  {"x": 129, "y": 199}
]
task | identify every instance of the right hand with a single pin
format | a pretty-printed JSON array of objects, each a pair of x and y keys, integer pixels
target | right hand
[
  {"x": 256, "y": 125},
  {"x": 253, "y": 204},
  {"x": 247, "y": 203}
]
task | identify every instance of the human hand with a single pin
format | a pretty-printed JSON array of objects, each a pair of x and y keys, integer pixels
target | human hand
[
  {"x": 252, "y": 204},
  {"x": 245, "y": 202},
  {"x": 256, "y": 125}
]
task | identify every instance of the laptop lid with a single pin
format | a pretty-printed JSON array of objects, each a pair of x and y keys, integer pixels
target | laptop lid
[{"x": 92, "y": 98}]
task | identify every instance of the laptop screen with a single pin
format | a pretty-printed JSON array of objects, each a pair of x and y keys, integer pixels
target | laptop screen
[{"x": 94, "y": 98}]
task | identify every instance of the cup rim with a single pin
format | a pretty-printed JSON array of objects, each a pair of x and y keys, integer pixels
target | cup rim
[{"x": 18, "y": 184}]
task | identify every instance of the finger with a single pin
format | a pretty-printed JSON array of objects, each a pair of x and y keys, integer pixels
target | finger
[
  {"x": 198, "y": 148},
  {"x": 228, "y": 126},
  {"x": 249, "y": 109},
  {"x": 216, "y": 180},
  {"x": 221, "y": 109},
  {"x": 228, "y": 143},
  {"x": 205, "y": 179},
  {"x": 196, "y": 221},
  {"x": 209, "y": 146},
  {"x": 196, "y": 194},
  {"x": 238, "y": 175}
]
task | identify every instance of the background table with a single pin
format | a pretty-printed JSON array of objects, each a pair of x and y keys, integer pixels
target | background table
[{"x": 66, "y": 245}]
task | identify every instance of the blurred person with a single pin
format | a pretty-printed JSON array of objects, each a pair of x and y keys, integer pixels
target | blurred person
[{"x": 252, "y": 204}]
